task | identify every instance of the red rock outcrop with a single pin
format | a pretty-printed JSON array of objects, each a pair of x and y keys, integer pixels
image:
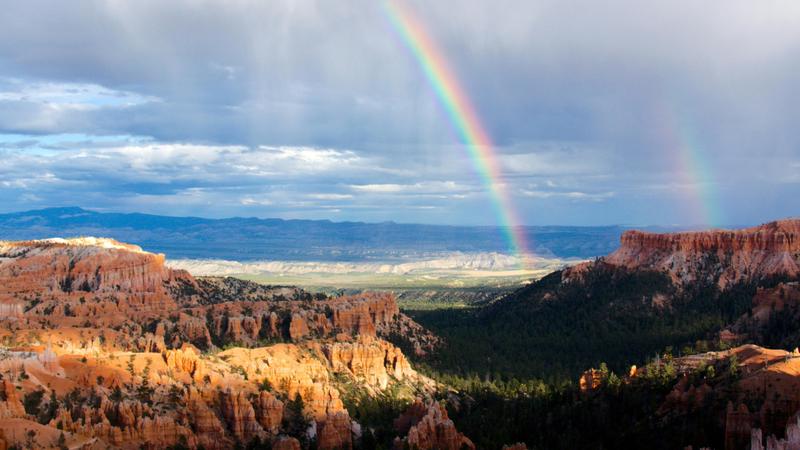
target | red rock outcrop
[
  {"x": 90, "y": 266},
  {"x": 252, "y": 322},
  {"x": 685, "y": 397},
  {"x": 205, "y": 423},
  {"x": 10, "y": 405},
  {"x": 286, "y": 443},
  {"x": 194, "y": 329},
  {"x": 291, "y": 370},
  {"x": 590, "y": 380},
  {"x": 364, "y": 317},
  {"x": 773, "y": 376},
  {"x": 772, "y": 300},
  {"x": 272, "y": 324},
  {"x": 118, "y": 285},
  {"x": 335, "y": 432},
  {"x": 109, "y": 336},
  {"x": 240, "y": 415},
  {"x": 413, "y": 414},
  {"x": 298, "y": 327},
  {"x": 186, "y": 360},
  {"x": 131, "y": 424},
  {"x": 430, "y": 428},
  {"x": 269, "y": 411},
  {"x": 723, "y": 256},
  {"x": 789, "y": 442},
  {"x": 372, "y": 360},
  {"x": 737, "y": 426}
]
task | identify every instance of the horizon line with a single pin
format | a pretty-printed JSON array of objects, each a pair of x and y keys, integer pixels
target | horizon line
[{"x": 688, "y": 227}]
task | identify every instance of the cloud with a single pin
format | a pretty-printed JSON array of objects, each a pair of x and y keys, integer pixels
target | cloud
[
  {"x": 170, "y": 163},
  {"x": 133, "y": 104},
  {"x": 549, "y": 158},
  {"x": 571, "y": 195},
  {"x": 249, "y": 201},
  {"x": 56, "y": 106},
  {"x": 135, "y": 173},
  {"x": 330, "y": 196},
  {"x": 75, "y": 96},
  {"x": 428, "y": 187}
]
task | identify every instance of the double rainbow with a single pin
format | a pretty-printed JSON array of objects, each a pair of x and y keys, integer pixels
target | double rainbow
[{"x": 464, "y": 119}]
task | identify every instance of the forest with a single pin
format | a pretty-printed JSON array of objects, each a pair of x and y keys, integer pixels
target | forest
[
  {"x": 553, "y": 331},
  {"x": 514, "y": 364}
]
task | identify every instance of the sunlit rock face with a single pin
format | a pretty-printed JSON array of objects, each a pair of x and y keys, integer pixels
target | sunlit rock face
[
  {"x": 375, "y": 361},
  {"x": 106, "y": 345},
  {"x": 82, "y": 267},
  {"x": 725, "y": 257},
  {"x": 66, "y": 281},
  {"x": 81, "y": 264},
  {"x": 427, "y": 427},
  {"x": 768, "y": 375}
]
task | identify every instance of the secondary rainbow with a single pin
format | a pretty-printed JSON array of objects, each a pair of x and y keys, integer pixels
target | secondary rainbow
[
  {"x": 680, "y": 140},
  {"x": 464, "y": 119}
]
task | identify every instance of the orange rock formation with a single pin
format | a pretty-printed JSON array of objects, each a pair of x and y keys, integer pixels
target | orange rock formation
[
  {"x": 110, "y": 340},
  {"x": 758, "y": 252},
  {"x": 427, "y": 427}
]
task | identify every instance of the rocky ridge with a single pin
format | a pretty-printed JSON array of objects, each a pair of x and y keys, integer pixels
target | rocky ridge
[{"x": 723, "y": 256}]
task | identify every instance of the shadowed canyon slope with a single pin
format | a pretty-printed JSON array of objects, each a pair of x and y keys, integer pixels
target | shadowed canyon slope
[
  {"x": 104, "y": 346},
  {"x": 656, "y": 290},
  {"x": 684, "y": 307}
]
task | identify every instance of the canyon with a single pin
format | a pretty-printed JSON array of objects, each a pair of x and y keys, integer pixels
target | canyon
[
  {"x": 675, "y": 326},
  {"x": 105, "y": 346}
]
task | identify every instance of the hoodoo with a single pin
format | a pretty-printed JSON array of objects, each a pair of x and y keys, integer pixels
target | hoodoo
[{"x": 103, "y": 341}]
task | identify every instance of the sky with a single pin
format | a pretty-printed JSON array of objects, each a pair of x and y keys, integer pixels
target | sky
[{"x": 600, "y": 112}]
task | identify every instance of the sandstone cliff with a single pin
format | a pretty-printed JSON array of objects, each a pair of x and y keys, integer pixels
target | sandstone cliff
[
  {"x": 427, "y": 427},
  {"x": 65, "y": 281},
  {"x": 723, "y": 256},
  {"x": 86, "y": 265},
  {"x": 374, "y": 361}
]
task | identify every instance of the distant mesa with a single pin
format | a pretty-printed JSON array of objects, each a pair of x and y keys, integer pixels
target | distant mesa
[{"x": 725, "y": 257}]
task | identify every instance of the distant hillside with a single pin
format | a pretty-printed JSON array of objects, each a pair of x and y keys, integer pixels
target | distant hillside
[{"x": 248, "y": 239}]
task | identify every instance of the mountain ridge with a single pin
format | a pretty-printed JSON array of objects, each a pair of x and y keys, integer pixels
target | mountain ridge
[{"x": 246, "y": 239}]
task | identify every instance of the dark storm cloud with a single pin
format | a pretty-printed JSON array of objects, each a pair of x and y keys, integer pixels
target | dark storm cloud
[{"x": 599, "y": 110}]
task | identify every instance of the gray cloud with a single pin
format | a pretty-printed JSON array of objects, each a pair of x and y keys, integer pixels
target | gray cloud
[{"x": 600, "y": 110}]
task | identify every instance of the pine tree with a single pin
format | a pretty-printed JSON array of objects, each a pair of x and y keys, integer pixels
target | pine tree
[{"x": 295, "y": 421}]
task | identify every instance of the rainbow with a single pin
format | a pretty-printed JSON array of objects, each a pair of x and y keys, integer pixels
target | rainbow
[
  {"x": 682, "y": 143},
  {"x": 464, "y": 119}
]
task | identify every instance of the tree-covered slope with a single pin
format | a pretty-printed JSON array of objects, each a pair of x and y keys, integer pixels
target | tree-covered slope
[{"x": 555, "y": 329}]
